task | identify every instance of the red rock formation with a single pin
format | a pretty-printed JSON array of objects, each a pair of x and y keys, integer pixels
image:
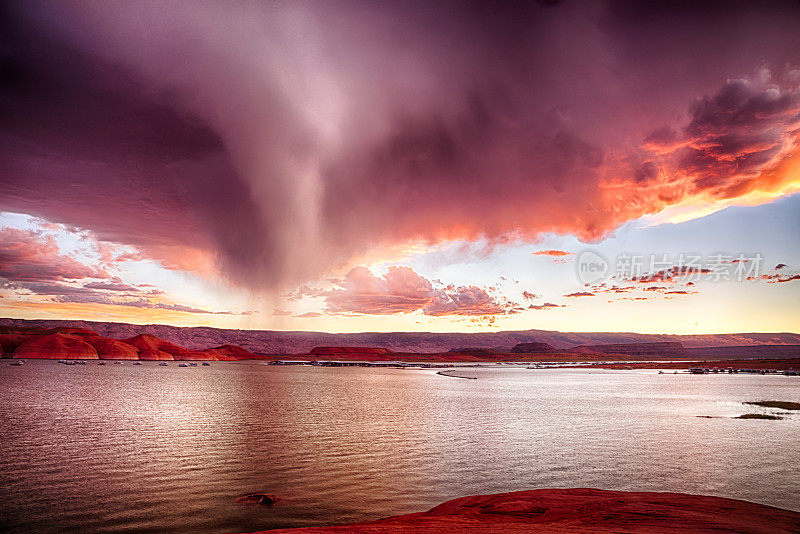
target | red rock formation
[
  {"x": 153, "y": 348},
  {"x": 57, "y": 346},
  {"x": 9, "y": 342},
  {"x": 562, "y": 511},
  {"x": 112, "y": 349},
  {"x": 149, "y": 347},
  {"x": 231, "y": 353}
]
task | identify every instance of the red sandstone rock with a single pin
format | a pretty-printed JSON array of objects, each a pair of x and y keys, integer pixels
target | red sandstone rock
[
  {"x": 112, "y": 349},
  {"x": 9, "y": 342},
  {"x": 231, "y": 353},
  {"x": 154, "y": 348},
  {"x": 148, "y": 347},
  {"x": 562, "y": 511},
  {"x": 57, "y": 346}
]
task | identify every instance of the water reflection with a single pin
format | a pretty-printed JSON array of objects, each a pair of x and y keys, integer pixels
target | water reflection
[{"x": 162, "y": 449}]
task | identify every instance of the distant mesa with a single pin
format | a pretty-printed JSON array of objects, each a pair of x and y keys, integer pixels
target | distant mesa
[
  {"x": 661, "y": 348},
  {"x": 747, "y": 351},
  {"x": 73, "y": 340},
  {"x": 73, "y": 331},
  {"x": 294, "y": 343},
  {"x": 61, "y": 346},
  {"x": 533, "y": 348},
  {"x": 349, "y": 352}
]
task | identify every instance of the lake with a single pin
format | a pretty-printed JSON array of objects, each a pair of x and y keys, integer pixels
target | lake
[{"x": 124, "y": 448}]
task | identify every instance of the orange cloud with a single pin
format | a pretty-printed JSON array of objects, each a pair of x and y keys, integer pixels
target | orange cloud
[
  {"x": 580, "y": 294},
  {"x": 552, "y": 252}
]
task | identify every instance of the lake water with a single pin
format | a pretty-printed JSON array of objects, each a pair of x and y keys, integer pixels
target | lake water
[{"x": 123, "y": 448}]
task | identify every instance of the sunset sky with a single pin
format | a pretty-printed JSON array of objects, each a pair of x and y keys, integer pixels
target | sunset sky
[{"x": 437, "y": 166}]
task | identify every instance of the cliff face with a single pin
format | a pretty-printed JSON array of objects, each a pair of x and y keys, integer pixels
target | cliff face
[
  {"x": 153, "y": 348},
  {"x": 562, "y": 511},
  {"x": 57, "y": 346},
  {"x": 112, "y": 349},
  {"x": 9, "y": 343}
]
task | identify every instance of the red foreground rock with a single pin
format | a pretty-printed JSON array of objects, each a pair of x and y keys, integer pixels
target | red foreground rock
[{"x": 553, "y": 511}]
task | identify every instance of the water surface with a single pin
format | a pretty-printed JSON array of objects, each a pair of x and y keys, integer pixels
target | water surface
[{"x": 123, "y": 448}]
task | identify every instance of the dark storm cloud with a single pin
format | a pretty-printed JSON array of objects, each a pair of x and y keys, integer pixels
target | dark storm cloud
[{"x": 280, "y": 139}]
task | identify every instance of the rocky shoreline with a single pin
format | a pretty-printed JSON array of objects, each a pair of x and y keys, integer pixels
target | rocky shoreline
[{"x": 557, "y": 511}]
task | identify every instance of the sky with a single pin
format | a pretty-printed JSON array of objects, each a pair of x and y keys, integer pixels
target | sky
[{"x": 396, "y": 166}]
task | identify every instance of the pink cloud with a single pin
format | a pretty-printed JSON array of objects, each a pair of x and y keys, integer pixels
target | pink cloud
[
  {"x": 26, "y": 256},
  {"x": 545, "y": 306},
  {"x": 114, "y": 285},
  {"x": 402, "y": 290}
]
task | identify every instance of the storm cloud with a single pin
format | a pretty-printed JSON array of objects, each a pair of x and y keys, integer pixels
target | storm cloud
[{"x": 277, "y": 139}]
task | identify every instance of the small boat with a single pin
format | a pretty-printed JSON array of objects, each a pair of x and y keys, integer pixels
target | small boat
[
  {"x": 101, "y": 363},
  {"x": 117, "y": 362},
  {"x": 15, "y": 364},
  {"x": 182, "y": 365},
  {"x": 80, "y": 362},
  {"x": 163, "y": 364},
  {"x": 206, "y": 364},
  {"x": 192, "y": 365},
  {"x": 137, "y": 363}
]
